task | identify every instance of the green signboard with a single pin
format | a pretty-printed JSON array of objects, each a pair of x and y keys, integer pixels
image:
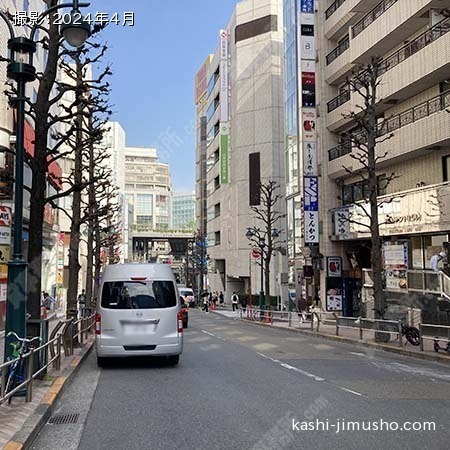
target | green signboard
[{"x": 224, "y": 138}]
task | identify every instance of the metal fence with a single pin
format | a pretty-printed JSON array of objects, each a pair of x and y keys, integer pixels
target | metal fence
[
  {"x": 66, "y": 333},
  {"x": 365, "y": 327}
]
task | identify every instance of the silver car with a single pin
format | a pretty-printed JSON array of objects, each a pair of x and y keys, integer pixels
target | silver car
[{"x": 139, "y": 313}]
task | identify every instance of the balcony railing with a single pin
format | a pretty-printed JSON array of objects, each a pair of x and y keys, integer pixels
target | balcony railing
[
  {"x": 342, "y": 98},
  {"x": 340, "y": 150},
  {"x": 341, "y": 48},
  {"x": 417, "y": 44},
  {"x": 371, "y": 16},
  {"x": 428, "y": 108},
  {"x": 416, "y": 113},
  {"x": 333, "y": 8}
]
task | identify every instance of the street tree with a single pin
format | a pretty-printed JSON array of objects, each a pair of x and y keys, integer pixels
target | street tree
[
  {"x": 265, "y": 236},
  {"x": 369, "y": 130}
]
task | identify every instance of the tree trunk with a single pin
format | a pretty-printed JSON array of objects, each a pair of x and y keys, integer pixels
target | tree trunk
[
  {"x": 39, "y": 178},
  {"x": 74, "y": 263},
  {"x": 97, "y": 257},
  {"x": 90, "y": 238}
]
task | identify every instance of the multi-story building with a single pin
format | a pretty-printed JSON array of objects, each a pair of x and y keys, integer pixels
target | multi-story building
[
  {"x": 183, "y": 211},
  {"x": 200, "y": 91},
  {"x": 244, "y": 123},
  {"x": 148, "y": 188},
  {"x": 413, "y": 40}
]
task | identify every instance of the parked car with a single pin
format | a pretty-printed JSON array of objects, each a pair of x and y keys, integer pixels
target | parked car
[
  {"x": 184, "y": 311},
  {"x": 138, "y": 313},
  {"x": 188, "y": 295}
]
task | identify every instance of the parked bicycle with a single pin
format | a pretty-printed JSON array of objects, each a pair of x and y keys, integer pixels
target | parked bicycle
[
  {"x": 438, "y": 346},
  {"x": 16, "y": 371}
]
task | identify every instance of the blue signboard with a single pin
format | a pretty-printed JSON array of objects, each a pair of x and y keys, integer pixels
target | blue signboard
[
  {"x": 311, "y": 193},
  {"x": 307, "y": 6}
]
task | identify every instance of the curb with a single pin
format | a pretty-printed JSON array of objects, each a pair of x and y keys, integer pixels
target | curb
[
  {"x": 328, "y": 337},
  {"x": 24, "y": 438}
]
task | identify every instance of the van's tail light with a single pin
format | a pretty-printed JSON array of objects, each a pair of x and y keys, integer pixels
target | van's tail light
[
  {"x": 180, "y": 322},
  {"x": 98, "y": 323}
]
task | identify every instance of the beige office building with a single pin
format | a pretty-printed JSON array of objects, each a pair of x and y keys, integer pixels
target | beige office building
[
  {"x": 244, "y": 137},
  {"x": 413, "y": 38}
]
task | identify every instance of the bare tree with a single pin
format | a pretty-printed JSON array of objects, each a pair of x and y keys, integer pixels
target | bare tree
[
  {"x": 370, "y": 131},
  {"x": 266, "y": 237}
]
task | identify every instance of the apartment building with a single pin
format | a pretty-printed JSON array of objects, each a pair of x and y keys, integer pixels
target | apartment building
[
  {"x": 412, "y": 38},
  {"x": 244, "y": 140}
]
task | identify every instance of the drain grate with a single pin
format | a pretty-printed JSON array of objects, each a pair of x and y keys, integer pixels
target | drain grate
[{"x": 62, "y": 419}]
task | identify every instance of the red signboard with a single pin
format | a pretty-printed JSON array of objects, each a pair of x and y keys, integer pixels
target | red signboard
[{"x": 256, "y": 253}]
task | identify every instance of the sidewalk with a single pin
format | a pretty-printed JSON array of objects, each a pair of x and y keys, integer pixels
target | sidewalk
[
  {"x": 20, "y": 422},
  {"x": 350, "y": 335}
]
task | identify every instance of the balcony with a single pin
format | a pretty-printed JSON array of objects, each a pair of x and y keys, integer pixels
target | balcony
[
  {"x": 371, "y": 16},
  {"x": 338, "y": 101},
  {"x": 419, "y": 210},
  {"x": 343, "y": 13},
  {"x": 425, "y": 126},
  {"x": 338, "y": 63},
  {"x": 386, "y": 26}
]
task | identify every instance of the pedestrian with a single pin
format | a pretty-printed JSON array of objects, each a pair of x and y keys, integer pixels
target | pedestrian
[
  {"x": 210, "y": 298},
  {"x": 49, "y": 302},
  {"x": 205, "y": 304},
  {"x": 243, "y": 303},
  {"x": 435, "y": 260},
  {"x": 215, "y": 298},
  {"x": 221, "y": 298},
  {"x": 234, "y": 301},
  {"x": 81, "y": 304},
  {"x": 301, "y": 308}
]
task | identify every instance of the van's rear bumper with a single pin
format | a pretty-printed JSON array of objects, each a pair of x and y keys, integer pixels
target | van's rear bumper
[{"x": 119, "y": 351}]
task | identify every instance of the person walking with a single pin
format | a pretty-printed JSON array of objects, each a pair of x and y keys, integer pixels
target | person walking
[
  {"x": 301, "y": 308},
  {"x": 49, "y": 301},
  {"x": 205, "y": 304},
  {"x": 234, "y": 301},
  {"x": 81, "y": 304},
  {"x": 243, "y": 303},
  {"x": 221, "y": 298}
]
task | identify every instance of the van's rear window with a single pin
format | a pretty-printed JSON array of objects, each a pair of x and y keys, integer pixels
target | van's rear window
[{"x": 138, "y": 295}]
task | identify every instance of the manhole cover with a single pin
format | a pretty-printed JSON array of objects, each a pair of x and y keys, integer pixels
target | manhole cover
[{"x": 61, "y": 419}]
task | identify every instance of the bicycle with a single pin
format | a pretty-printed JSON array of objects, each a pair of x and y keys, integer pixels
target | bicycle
[
  {"x": 412, "y": 334},
  {"x": 16, "y": 374}
]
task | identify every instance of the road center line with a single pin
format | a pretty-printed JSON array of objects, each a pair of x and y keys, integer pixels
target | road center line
[
  {"x": 289, "y": 367},
  {"x": 350, "y": 391},
  {"x": 208, "y": 333}
]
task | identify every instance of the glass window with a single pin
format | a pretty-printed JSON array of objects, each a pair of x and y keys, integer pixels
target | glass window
[
  {"x": 138, "y": 295},
  {"x": 144, "y": 204}
]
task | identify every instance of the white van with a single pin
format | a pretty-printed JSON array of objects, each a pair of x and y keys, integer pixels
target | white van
[{"x": 138, "y": 313}]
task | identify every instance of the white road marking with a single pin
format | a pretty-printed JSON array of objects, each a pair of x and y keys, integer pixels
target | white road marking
[
  {"x": 208, "y": 333},
  {"x": 289, "y": 367},
  {"x": 351, "y": 392},
  {"x": 399, "y": 367},
  {"x": 359, "y": 354},
  {"x": 306, "y": 374}
]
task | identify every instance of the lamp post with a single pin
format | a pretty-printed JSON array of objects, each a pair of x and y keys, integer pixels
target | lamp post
[{"x": 20, "y": 69}]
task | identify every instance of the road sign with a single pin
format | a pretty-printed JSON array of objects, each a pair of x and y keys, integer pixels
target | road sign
[{"x": 256, "y": 253}]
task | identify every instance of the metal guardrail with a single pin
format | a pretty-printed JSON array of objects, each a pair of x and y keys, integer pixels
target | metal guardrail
[
  {"x": 64, "y": 339},
  {"x": 435, "y": 337}
]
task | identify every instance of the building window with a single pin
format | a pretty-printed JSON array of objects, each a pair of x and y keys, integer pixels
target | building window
[
  {"x": 144, "y": 220},
  {"x": 446, "y": 168},
  {"x": 144, "y": 204},
  {"x": 357, "y": 192},
  {"x": 256, "y": 28}
]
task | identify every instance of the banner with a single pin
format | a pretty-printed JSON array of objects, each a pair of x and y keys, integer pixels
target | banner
[{"x": 224, "y": 142}]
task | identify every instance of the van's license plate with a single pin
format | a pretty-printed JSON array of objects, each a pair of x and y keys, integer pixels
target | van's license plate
[{"x": 132, "y": 329}]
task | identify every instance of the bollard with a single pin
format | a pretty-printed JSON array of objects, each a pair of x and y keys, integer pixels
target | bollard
[
  {"x": 361, "y": 335},
  {"x": 58, "y": 350},
  {"x": 400, "y": 335},
  {"x": 421, "y": 337},
  {"x": 29, "y": 377},
  {"x": 289, "y": 319},
  {"x": 337, "y": 326}
]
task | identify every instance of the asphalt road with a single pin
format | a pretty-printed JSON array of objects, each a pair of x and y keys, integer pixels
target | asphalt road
[{"x": 240, "y": 386}]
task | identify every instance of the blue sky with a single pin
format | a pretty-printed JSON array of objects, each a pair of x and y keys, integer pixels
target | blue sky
[{"x": 154, "y": 65}]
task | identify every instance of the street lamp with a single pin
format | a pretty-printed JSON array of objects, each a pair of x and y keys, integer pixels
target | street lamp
[{"x": 20, "y": 69}]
